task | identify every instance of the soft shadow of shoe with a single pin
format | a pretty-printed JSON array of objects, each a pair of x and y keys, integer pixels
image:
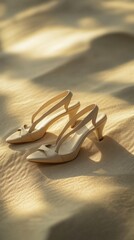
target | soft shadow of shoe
[
  {"x": 115, "y": 158},
  {"x": 104, "y": 158}
]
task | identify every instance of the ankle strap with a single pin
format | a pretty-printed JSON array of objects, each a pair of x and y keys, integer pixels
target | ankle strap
[
  {"x": 65, "y": 100},
  {"x": 92, "y": 111}
]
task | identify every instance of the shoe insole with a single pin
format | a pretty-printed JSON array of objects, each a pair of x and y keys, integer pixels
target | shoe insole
[{"x": 73, "y": 142}]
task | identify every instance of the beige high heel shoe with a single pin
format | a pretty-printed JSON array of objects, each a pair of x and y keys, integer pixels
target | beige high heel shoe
[
  {"x": 68, "y": 143},
  {"x": 39, "y": 126}
]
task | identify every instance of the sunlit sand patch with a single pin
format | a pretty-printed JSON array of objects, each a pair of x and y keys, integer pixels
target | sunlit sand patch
[
  {"x": 119, "y": 5},
  {"x": 118, "y": 73},
  {"x": 14, "y": 85},
  {"x": 20, "y": 190},
  {"x": 25, "y": 203},
  {"x": 87, "y": 188},
  {"x": 87, "y": 22},
  {"x": 51, "y": 43},
  {"x": 96, "y": 157},
  {"x": 32, "y": 11},
  {"x": 130, "y": 19},
  {"x": 16, "y": 103}
]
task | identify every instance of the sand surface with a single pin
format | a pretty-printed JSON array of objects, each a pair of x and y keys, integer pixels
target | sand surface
[{"x": 87, "y": 47}]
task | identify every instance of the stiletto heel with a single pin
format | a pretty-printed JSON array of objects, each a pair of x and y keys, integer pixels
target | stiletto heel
[
  {"x": 68, "y": 143},
  {"x": 99, "y": 130},
  {"x": 43, "y": 118}
]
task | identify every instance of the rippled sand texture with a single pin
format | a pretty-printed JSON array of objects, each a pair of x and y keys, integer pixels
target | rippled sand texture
[{"x": 88, "y": 47}]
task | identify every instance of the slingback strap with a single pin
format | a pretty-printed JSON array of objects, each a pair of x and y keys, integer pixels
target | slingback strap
[
  {"x": 92, "y": 115},
  {"x": 65, "y": 100}
]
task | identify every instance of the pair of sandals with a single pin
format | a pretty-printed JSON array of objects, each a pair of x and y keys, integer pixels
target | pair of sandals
[{"x": 80, "y": 125}]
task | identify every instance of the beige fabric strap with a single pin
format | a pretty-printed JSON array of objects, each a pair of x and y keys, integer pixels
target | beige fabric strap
[
  {"x": 44, "y": 148},
  {"x": 65, "y": 100},
  {"x": 92, "y": 111},
  {"x": 47, "y": 151},
  {"x": 23, "y": 130}
]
